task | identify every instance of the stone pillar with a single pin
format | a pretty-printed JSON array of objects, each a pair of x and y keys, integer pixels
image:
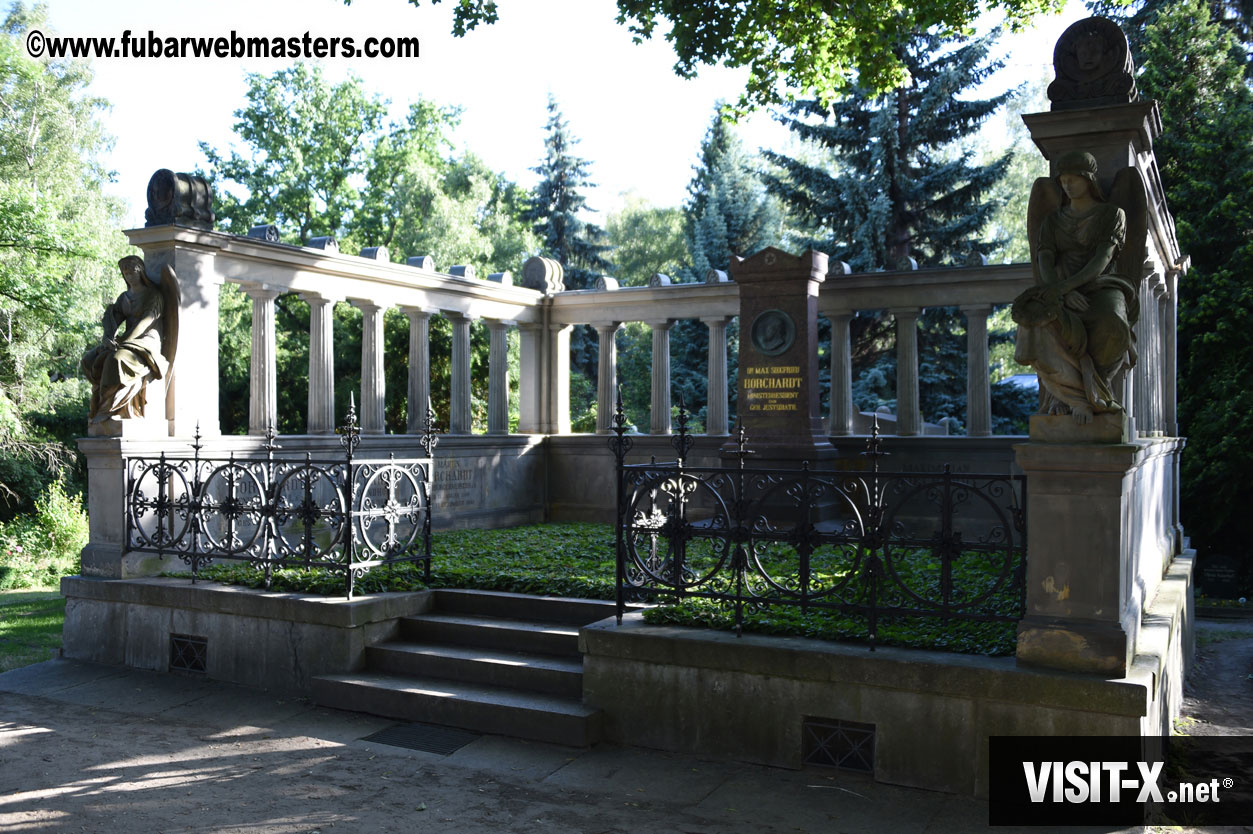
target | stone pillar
[
  {"x": 263, "y": 366},
  {"x": 530, "y": 378},
  {"x": 372, "y": 421},
  {"x": 978, "y": 384},
  {"x": 908, "y": 412},
  {"x": 321, "y": 416},
  {"x": 1170, "y": 324},
  {"x": 716, "y": 391},
  {"x": 557, "y": 380},
  {"x": 841, "y": 423},
  {"x": 498, "y": 377},
  {"x": 606, "y": 375},
  {"x": 1080, "y": 612},
  {"x": 459, "y": 399},
  {"x": 660, "y": 411},
  {"x": 419, "y": 367}
]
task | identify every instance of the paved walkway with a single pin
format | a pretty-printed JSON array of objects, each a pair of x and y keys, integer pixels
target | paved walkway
[{"x": 87, "y": 748}]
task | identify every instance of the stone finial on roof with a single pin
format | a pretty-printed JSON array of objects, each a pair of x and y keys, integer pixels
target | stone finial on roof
[
  {"x": 326, "y": 242},
  {"x": 543, "y": 274},
  {"x": 1093, "y": 66},
  {"x": 264, "y": 231},
  {"x": 659, "y": 280},
  {"x": 423, "y": 262},
  {"x": 606, "y": 282},
  {"x": 375, "y": 253},
  {"x": 181, "y": 199}
]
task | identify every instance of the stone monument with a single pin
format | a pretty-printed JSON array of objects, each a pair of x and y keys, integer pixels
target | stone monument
[{"x": 777, "y": 400}]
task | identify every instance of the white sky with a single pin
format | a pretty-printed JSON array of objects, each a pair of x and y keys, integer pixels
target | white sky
[{"x": 640, "y": 124}]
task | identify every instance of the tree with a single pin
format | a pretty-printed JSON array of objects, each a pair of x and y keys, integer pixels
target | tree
[
  {"x": 58, "y": 256},
  {"x": 579, "y": 246},
  {"x": 814, "y": 47},
  {"x": 341, "y": 171},
  {"x": 899, "y": 184},
  {"x": 644, "y": 240},
  {"x": 1206, "y": 158},
  {"x": 1235, "y": 16}
]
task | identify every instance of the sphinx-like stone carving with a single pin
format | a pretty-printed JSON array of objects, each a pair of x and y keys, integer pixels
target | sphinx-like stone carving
[
  {"x": 1087, "y": 253},
  {"x": 139, "y": 344},
  {"x": 1093, "y": 66}
]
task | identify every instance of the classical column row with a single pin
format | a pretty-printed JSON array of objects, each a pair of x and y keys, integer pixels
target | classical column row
[{"x": 321, "y": 417}]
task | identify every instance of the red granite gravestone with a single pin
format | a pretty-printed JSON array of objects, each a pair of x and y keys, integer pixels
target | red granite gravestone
[{"x": 777, "y": 389}]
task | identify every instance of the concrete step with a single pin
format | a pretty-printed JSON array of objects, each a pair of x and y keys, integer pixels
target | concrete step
[
  {"x": 532, "y": 672},
  {"x": 485, "y": 709},
  {"x": 492, "y": 633},
  {"x": 523, "y": 606}
]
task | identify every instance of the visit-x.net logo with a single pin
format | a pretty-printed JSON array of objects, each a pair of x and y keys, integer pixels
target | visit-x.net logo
[{"x": 1120, "y": 780}]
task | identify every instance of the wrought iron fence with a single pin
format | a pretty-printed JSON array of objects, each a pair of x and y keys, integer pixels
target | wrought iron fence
[
  {"x": 347, "y": 515},
  {"x": 865, "y": 542}
]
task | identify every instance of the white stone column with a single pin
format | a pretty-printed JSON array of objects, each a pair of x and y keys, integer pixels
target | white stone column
[
  {"x": 1170, "y": 364},
  {"x": 557, "y": 379},
  {"x": 841, "y": 424},
  {"x": 978, "y": 383},
  {"x": 419, "y": 367},
  {"x": 908, "y": 412},
  {"x": 498, "y": 377},
  {"x": 263, "y": 365},
  {"x": 606, "y": 375},
  {"x": 372, "y": 421},
  {"x": 459, "y": 399},
  {"x": 321, "y": 416},
  {"x": 660, "y": 416},
  {"x": 530, "y": 378},
  {"x": 716, "y": 391}
]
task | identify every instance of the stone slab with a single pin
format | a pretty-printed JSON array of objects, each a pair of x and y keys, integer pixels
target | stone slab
[{"x": 1061, "y": 428}]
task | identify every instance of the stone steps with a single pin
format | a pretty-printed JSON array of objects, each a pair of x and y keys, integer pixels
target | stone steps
[{"x": 501, "y": 663}]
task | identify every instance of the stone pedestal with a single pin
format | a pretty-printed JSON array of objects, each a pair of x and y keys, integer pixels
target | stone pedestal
[
  {"x": 777, "y": 400},
  {"x": 1081, "y": 613}
]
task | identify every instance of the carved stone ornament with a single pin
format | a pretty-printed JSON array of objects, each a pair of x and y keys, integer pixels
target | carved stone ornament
[
  {"x": 543, "y": 274},
  {"x": 1093, "y": 66},
  {"x": 181, "y": 199},
  {"x": 138, "y": 345},
  {"x": 773, "y": 332}
]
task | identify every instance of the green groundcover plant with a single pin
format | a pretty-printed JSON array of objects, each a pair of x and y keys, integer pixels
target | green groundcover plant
[
  {"x": 577, "y": 560},
  {"x": 38, "y": 548}
]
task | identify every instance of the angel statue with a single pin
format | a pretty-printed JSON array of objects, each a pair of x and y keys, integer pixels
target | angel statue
[
  {"x": 1087, "y": 253},
  {"x": 121, "y": 366}
]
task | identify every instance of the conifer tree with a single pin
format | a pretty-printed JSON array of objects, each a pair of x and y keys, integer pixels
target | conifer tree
[
  {"x": 900, "y": 182},
  {"x": 558, "y": 201},
  {"x": 579, "y": 246}
]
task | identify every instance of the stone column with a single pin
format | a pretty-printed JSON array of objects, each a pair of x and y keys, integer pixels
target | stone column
[
  {"x": 372, "y": 421},
  {"x": 716, "y": 391},
  {"x": 841, "y": 424},
  {"x": 419, "y": 367},
  {"x": 557, "y": 380},
  {"x": 262, "y": 370},
  {"x": 459, "y": 399},
  {"x": 606, "y": 375},
  {"x": 530, "y": 377},
  {"x": 978, "y": 384},
  {"x": 321, "y": 416},
  {"x": 498, "y": 377},
  {"x": 908, "y": 413},
  {"x": 660, "y": 411}
]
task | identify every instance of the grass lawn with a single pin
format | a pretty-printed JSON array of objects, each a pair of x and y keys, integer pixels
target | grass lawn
[{"x": 30, "y": 626}]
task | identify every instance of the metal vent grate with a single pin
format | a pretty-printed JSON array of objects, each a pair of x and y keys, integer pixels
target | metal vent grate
[
  {"x": 830, "y": 742},
  {"x": 188, "y": 653},
  {"x": 428, "y": 738}
]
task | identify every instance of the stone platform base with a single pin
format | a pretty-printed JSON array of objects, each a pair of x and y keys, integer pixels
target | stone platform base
[
  {"x": 711, "y": 693},
  {"x": 256, "y": 638}
]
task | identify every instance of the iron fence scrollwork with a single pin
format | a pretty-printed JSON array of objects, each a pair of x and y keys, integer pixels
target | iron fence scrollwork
[
  {"x": 857, "y": 540},
  {"x": 348, "y": 515}
]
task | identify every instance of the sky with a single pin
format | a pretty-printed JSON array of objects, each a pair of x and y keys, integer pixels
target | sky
[{"x": 639, "y": 124}]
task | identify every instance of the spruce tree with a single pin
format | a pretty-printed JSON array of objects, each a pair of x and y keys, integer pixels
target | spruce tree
[
  {"x": 579, "y": 246},
  {"x": 556, "y": 205},
  {"x": 1192, "y": 66},
  {"x": 898, "y": 181}
]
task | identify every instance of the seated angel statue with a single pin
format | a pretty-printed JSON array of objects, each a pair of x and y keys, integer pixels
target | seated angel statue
[
  {"x": 120, "y": 367},
  {"x": 1075, "y": 324}
]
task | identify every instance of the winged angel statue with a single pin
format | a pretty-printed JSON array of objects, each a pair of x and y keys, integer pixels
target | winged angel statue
[
  {"x": 1087, "y": 253},
  {"x": 121, "y": 366}
]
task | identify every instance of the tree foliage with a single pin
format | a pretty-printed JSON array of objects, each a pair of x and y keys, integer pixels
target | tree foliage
[
  {"x": 1191, "y": 66},
  {"x": 815, "y": 47},
  {"x": 321, "y": 159},
  {"x": 58, "y": 256}
]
